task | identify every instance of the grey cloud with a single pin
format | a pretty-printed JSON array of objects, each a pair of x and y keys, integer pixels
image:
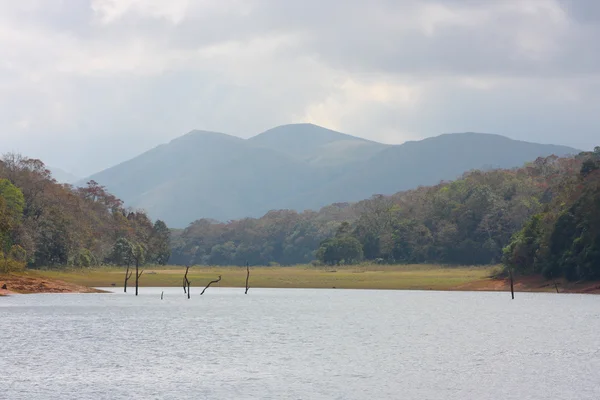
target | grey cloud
[
  {"x": 586, "y": 11},
  {"x": 83, "y": 92},
  {"x": 385, "y": 36}
]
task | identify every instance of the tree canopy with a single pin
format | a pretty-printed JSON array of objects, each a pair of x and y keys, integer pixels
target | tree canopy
[
  {"x": 563, "y": 239},
  {"x": 46, "y": 224},
  {"x": 481, "y": 218}
]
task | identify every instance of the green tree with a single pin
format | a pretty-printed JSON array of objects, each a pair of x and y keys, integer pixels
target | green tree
[
  {"x": 13, "y": 199},
  {"x": 589, "y": 166},
  {"x": 344, "y": 248},
  {"x": 122, "y": 253},
  {"x": 521, "y": 254},
  {"x": 159, "y": 243},
  {"x": 85, "y": 259}
]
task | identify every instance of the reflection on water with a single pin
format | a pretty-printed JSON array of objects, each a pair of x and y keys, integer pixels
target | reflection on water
[{"x": 300, "y": 344}]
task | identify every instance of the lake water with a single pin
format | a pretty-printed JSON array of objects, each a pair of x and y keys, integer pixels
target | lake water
[{"x": 300, "y": 344}]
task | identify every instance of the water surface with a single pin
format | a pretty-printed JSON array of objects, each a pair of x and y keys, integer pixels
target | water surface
[{"x": 300, "y": 344}]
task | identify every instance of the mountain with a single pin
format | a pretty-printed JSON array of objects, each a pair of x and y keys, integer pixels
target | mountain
[
  {"x": 301, "y": 166},
  {"x": 63, "y": 176},
  {"x": 206, "y": 174},
  {"x": 316, "y": 145},
  {"x": 429, "y": 161}
]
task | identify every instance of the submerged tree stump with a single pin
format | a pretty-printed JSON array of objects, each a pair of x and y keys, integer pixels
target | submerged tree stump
[
  {"x": 210, "y": 283},
  {"x": 186, "y": 282},
  {"x": 137, "y": 277},
  {"x": 247, "y": 276},
  {"x": 127, "y": 276}
]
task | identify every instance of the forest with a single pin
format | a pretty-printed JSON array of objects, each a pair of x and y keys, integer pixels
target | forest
[
  {"x": 540, "y": 218},
  {"x": 47, "y": 224},
  {"x": 563, "y": 238}
]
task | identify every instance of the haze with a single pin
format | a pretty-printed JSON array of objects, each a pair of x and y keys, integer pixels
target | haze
[{"x": 86, "y": 84}]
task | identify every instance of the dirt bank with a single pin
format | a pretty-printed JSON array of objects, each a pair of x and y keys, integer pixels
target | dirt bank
[{"x": 30, "y": 283}]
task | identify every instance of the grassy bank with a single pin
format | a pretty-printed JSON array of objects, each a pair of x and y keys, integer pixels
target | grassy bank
[
  {"x": 415, "y": 277},
  {"x": 429, "y": 277}
]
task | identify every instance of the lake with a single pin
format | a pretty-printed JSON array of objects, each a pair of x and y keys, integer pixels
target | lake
[{"x": 300, "y": 344}]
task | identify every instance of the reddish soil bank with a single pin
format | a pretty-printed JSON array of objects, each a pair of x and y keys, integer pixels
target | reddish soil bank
[{"x": 29, "y": 284}]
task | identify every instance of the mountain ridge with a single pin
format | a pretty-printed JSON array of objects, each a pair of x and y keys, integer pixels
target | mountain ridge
[{"x": 206, "y": 174}]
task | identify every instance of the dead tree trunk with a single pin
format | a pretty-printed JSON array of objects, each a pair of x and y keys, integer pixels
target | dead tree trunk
[
  {"x": 127, "y": 276},
  {"x": 247, "y": 276},
  {"x": 209, "y": 283},
  {"x": 137, "y": 275},
  {"x": 512, "y": 290},
  {"x": 186, "y": 282}
]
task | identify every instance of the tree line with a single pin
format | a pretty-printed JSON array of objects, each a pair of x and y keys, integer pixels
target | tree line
[
  {"x": 47, "y": 224},
  {"x": 563, "y": 238},
  {"x": 475, "y": 220},
  {"x": 541, "y": 218}
]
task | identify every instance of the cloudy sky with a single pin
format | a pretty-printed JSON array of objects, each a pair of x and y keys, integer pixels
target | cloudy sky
[{"x": 85, "y": 84}]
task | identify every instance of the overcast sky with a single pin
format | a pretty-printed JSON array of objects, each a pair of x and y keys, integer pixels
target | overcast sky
[{"x": 85, "y": 84}]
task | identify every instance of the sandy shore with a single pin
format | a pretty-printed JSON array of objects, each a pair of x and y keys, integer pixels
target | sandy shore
[{"x": 21, "y": 283}]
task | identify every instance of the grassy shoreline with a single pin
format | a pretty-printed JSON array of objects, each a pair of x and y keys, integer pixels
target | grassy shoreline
[
  {"x": 352, "y": 277},
  {"x": 384, "y": 277}
]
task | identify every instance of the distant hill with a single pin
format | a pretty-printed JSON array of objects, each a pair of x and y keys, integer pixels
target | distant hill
[
  {"x": 300, "y": 166},
  {"x": 63, "y": 176},
  {"x": 316, "y": 145}
]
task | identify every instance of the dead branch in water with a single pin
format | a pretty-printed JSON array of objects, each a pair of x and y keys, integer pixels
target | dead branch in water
[
  {"x": 185, "y": 279},
  {"x": 137, "y": 278},
  {"x": 247, "y": 276},
  {"x": 186, "y": 282},
  {"x": 512, "y": 290},
  {"x": 138, "y": 256},
  {"x": 127, "y": 276},
  {"x": 210, "y": 283}
]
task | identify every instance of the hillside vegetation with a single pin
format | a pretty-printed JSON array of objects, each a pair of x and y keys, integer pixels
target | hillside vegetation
[
  {"x": 563, "y": 238},
  {"x": 297, "y": 167},
  {"x": 47, "y": 224},
  {"x": 542, "y": 217}
]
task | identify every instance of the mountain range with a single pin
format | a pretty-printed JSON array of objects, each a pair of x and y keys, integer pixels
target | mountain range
[{"x": 300, "y": 166}]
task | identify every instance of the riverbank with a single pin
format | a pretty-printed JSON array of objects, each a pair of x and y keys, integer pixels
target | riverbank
[
  {"x": 399, "y": 277},
  {"x": 33, "y": 282}
]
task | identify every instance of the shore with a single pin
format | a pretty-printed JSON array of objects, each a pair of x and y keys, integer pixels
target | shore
[
  {"x": 400, "y": 277},
  {"x": 33, "y": 282}
]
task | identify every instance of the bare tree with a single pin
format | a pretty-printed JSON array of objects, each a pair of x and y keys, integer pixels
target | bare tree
[
  {"x": 138, "y": 256},
  {"x": 247, "y": 276},
  {"x": 512, "y": 290},
  {"x": 210, "y": 283},
  {"x": 127, "y": 276},
  {"x": 186, "y": 282},
  {"x": 137, "y": 279}
]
